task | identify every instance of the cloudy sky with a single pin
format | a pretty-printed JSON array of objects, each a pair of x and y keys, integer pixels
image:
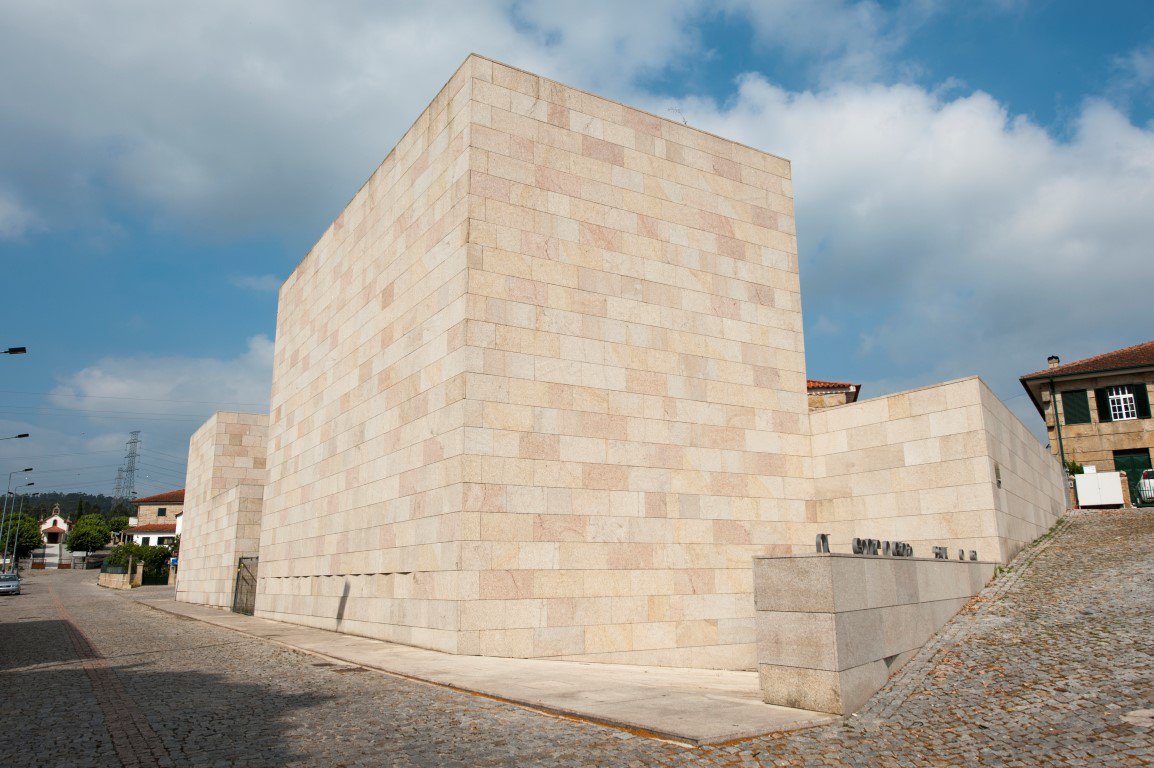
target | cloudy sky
[{"x": 974, "y": 181}]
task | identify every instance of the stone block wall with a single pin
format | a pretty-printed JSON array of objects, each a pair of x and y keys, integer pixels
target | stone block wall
[
  {"x": 832, "y": 628},
  {"x": 636, "y": 404},
  {"x": 1029, "y": 485},
  {"x": 539, "y": 391},
  {"x": 922, "y": 467},
  {"x": 362, "y": 525},
  {"x": 222, "y": 505}
]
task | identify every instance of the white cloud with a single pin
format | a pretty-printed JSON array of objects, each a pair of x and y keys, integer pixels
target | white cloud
[
  {"x": 172, "y": 386},
  {"x": 961, "y": 238},
  {"x": 235, "y": 119},
  {"x": 261, "y": 283},
  {"x": 15, "y": 219},
  {"x": 837, "y": 40},
  {"x": 78, "y": 436}
]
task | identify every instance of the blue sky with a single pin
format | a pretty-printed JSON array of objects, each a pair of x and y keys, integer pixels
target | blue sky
[{"x": 973, "y": 181}]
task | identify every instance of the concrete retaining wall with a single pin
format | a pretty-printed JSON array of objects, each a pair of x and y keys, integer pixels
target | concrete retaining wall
[{"x": 831, "y": 628}]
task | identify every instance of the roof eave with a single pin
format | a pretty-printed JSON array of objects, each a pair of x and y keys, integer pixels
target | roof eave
[{"x": 1045, "y": 376}]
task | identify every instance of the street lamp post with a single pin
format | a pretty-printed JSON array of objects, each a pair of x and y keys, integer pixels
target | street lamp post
[
  {"x": 6, "y": 518},
  {"x": 14, "y": 518},
  {"x": 19, "y": 518},
  {"x": 14, "y": 351},
  {"x": 15, "y": 437}
]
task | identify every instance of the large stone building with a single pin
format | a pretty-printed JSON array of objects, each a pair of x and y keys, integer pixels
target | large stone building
[
  {"x": 540, "y": 391},
  {"x": 1097, "y": 410}
]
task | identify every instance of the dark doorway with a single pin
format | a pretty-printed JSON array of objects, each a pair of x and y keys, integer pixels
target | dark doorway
[
  {"x": 244, "y": 595},
  {"x": 1133, "y": 462}
]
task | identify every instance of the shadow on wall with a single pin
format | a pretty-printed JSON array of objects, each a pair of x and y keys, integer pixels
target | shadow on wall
[{"x": 344, "y": 602}]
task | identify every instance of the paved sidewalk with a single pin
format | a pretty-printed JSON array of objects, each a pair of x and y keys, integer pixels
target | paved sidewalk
[{"x": 692, "y": 706}]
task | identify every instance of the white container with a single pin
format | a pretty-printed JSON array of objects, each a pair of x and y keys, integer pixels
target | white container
[{"x": 1099, "y": 489}]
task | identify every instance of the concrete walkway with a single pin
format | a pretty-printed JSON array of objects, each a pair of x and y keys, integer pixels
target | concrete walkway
[{"x": 691, "y": 706}]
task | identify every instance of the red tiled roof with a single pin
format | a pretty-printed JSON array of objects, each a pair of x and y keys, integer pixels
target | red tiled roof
[
  {"x": 53, "y": 529},
  {"x": 169, "y": 497},
  {"x": 1129, "y": 357},
  {"x": 819, "y": 384},
  {"x": 152, "y": 528}
]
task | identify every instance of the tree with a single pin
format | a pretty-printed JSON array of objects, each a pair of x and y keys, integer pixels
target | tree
[
  {"x": 28, "y": 536},
  {"x": 118, "y": 523},
  {"x": 155, "y": 558},
  {"x": 79, "y": 510},
  {"x": 88, "y": 533}
]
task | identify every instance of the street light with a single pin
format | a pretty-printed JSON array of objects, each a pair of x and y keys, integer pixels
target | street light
[
  {"x": 6, "y": 518},
  {"x": 15, "y": 351},
  {"x": 15, "y": 437},
  {"x": 14, "y": 520}
]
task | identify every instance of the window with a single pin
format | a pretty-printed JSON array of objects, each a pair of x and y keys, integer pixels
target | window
[
  {"x": 1122, "y": 406},
  {"x": 1075, "y": 407},
  {"x": 161, "y": 511}
]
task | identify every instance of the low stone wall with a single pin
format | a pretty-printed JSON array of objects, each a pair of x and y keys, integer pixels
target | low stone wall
[
  {"x": 831, "y": 628},
  {"x": 115, "y": 580},
  {"x": 942, "y": 465}
]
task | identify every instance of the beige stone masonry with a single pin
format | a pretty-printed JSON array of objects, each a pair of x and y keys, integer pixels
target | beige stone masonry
[
  {"x": 945, "y": 465},
  {"x": 222, "y": 505},
  {"x": 540, "y": 389},
  {"x": 831, "y": 629}
]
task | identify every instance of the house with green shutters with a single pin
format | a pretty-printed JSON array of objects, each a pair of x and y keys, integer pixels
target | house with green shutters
[{"x": 1097, "y": 410}]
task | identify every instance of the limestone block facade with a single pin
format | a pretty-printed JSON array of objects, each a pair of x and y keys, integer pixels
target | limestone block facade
[
  {"x": 832, "y": 628},
  {"x": 945, "y": 465},
  {"x": 224, "y": 490},
  {"x": 540, "y": 389}
]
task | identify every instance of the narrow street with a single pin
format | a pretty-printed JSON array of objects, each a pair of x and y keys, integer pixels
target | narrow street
[{"x": 1053, "y": 665}]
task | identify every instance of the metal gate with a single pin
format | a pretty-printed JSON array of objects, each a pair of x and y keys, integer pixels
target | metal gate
[
  {"x": 244, "y": 594},
  {"x": 1133, "y": 462}
]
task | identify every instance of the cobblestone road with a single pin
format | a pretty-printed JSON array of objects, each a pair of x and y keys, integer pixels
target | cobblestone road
[{"x": 1052, "y": 665}]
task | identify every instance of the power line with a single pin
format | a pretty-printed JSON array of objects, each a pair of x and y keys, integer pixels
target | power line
[
  {"x": 163, "y": 461},
  {"x": 104, "y": 415},
  {"x": 73, "y": 469},
  {"x": 181, "y": 459},
  {"x": 143, "y": 399},
  {"x": 77, "y": 453}
]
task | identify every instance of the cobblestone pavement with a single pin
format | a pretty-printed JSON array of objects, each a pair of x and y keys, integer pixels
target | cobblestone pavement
[{"x": 1052, "y": 665}]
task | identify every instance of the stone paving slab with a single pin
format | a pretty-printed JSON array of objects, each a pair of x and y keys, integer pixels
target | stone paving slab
[{"x": 691, "y": 706}]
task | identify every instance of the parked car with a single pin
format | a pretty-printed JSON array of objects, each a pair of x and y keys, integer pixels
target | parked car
[
  {"x": 1146, "y": 488},
  {"x": 9, "y": 584}
]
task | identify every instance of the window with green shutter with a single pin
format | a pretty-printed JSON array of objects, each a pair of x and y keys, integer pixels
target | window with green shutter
[
  {"x": 1076, "y": 407},
  {"x": 1102, "y": 400},
  {"x": 1142, "y": 400}
]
